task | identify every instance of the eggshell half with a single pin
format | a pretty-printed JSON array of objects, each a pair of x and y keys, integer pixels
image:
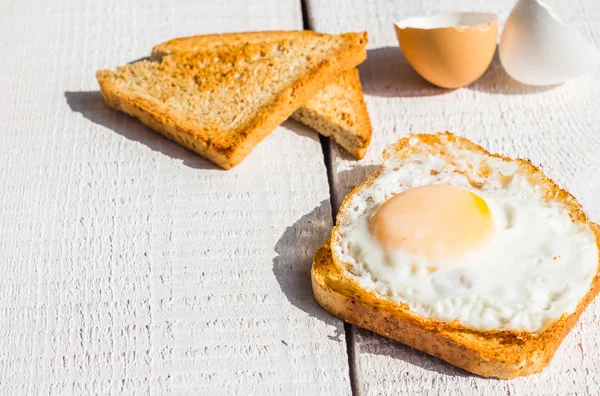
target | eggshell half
[
  {"x": 537, "y": 48},
  {"x": 449, "y": 50}
]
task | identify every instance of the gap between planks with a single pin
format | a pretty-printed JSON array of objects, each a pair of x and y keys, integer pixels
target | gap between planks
[
  {"x": 349, "y": 329},
  {"x": 335, "y": 202}
]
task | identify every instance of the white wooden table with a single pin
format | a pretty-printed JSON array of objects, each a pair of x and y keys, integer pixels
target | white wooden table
[{"x": 128, "y": 265}]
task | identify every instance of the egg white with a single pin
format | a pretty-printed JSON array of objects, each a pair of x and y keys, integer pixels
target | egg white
[{"x": 537, "y": 266}]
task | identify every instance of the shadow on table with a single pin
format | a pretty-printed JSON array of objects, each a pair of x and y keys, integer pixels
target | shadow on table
[
  {"x": 145, "y": 58},
  {"x": 91, "y": 106},
  {"x": 387, "y": 73},
  {"x": 300, "y": 129},
  {"x": 496, "y": 80},
  {"x": 293, "y": 274},
  {"x": 346, "y": 180},
  {"x": 373, "y": 344}
]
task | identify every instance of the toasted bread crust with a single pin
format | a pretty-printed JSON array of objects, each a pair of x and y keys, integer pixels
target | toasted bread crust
[
  {"x": 500, "y": 353},
  {"x": 230, "y": 151},
  {"x": 207, "y": 41},
  {"x": 338, "y": 110}
]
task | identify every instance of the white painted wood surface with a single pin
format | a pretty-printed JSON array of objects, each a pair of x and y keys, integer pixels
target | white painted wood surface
[
  {"x": 556, "y": 127},
  {"x": 129, "y": 265}
]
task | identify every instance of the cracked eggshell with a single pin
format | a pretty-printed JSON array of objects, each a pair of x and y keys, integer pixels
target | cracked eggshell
[
  {"x": 537, "y": 48},
  {"x": 449, "y": 50}
]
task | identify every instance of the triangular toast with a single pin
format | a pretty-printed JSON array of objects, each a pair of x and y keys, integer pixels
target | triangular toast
[
  {"x": 338, "y": 110},
  {"x": 222, "y": 102}
]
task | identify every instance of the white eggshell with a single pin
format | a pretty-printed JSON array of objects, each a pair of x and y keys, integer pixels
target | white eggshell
[{"x": 537, "y": 48}]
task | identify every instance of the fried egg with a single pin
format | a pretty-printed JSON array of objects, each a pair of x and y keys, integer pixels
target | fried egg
[{"x": 461, "y": 236}]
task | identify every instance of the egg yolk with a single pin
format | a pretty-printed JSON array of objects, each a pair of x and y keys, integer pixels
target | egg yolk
[{"x": 439, "y": 221}]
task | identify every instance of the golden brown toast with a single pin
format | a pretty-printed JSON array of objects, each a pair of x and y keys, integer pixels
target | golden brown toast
[
  {"x": 222, "y": 102},
  {"x": 499, "y": 353},
  {"x": 338, "y": 110}
]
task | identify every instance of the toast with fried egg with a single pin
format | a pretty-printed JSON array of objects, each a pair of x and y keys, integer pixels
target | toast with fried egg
[
  {"x": 222, "y": 102},
  {"x": 337, "y": 111},
  {"x": 505, "y": 352}
]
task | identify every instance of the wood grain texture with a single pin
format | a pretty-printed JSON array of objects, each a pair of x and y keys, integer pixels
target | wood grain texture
[
  {"x": 129, "y": 265},
  {"x": 556, "y": 127}
]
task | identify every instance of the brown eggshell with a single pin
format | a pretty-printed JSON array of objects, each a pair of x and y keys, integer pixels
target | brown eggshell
[{"x": 449, "y": 56}]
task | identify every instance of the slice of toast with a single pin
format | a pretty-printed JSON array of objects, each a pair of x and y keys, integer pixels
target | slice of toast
[
  {"x": 222, "y": 102},
  {"x": 338, "y": 110},
  {"x": 497, "y": 353}
]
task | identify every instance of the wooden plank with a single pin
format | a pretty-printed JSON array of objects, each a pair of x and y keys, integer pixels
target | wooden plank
[
  {"x": 130, "y": 265},
  {"x": 555, "y": 127}
]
